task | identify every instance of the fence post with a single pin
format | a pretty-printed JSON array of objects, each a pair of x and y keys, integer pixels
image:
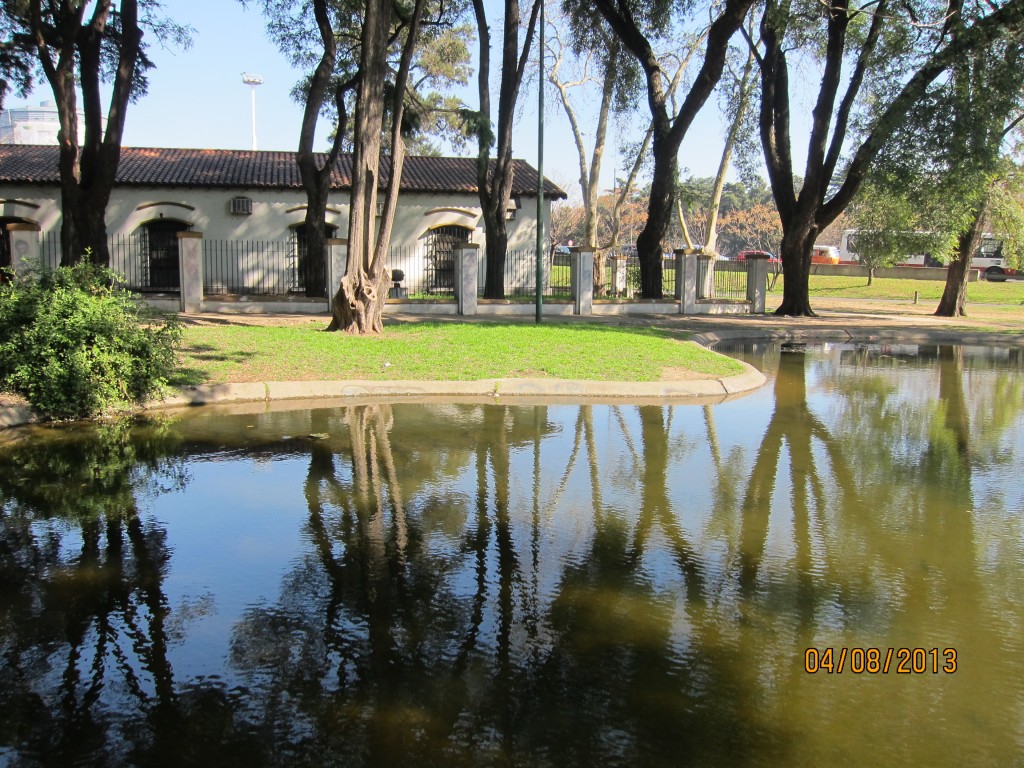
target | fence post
[
  {"x": 581, "y": 265},
  {"x": 26, "y": 248},
  {"x": 686, "y": 280},
  {"x": 337, "y": 261},
  {"x": 190, "y": 270},
  {"x": 467, "y": 257},
  {"x": 707, "y": 288},
  {"x": 619, "y": 286},
  {"x": 757, "y": 282}
]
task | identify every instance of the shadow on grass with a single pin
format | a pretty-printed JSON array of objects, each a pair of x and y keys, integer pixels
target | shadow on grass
[
  {"x": 637, "y": 325},
  {"x": 183, "y": 376}
]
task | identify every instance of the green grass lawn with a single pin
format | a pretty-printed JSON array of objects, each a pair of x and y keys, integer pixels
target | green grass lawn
[
  {"x": 982, "y": 292},
  {"x": 439, "y": 351}
]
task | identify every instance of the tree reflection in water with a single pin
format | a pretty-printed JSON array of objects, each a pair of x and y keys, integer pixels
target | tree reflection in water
[{"x": 542, "y": 585}]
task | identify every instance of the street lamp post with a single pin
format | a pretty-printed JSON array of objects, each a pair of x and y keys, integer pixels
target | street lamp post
[
  {"x": 252, "y": 81},
  {"x": 540, "y": 168}
]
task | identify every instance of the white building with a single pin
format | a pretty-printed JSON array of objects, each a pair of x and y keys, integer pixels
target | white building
[
  {"x": 250, "y": 207},
  {"x": 37, "y": 124}
]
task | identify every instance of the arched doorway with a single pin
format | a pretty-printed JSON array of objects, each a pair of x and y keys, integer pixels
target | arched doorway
[
  {"x": 299, "y": 251},
  {"x": 441, "y": 245},
  {"x": 159, "y": 252},
  {"x": 7, "y": 255}
]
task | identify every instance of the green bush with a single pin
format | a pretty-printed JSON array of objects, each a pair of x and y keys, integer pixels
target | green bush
[{"x": 74, "y": 344}]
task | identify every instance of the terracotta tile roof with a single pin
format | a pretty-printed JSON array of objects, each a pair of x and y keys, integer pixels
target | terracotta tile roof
[{"x": 241, "y": 169}]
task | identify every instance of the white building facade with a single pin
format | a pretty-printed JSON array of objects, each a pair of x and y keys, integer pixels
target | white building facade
[{"x": 250, "y": 209}]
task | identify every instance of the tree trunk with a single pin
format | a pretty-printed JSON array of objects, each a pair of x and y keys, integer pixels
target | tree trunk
[
  {"x": 871, "y": 275},
  {"x": 659, "y": 217},
  {"x": 494, "y": 181},
  {"x": 87, "y": 164},
  {"x": 797, "y": 244},
  {"x": 358, "y": 304},
  {"x": 954, "y": 296},
  {"x": 314, "y": 265},
  {"x": 495, "y": 249},
  {"x": 316, "y": 180}
]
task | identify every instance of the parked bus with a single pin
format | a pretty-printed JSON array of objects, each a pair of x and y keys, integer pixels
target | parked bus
[{"x": 988, "y": 258}]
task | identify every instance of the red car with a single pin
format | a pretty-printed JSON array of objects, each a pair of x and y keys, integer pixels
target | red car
[{"x": 742, "y": 256}]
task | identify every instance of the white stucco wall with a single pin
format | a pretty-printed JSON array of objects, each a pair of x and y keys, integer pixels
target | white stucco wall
[{"x": 274, "y": 214}]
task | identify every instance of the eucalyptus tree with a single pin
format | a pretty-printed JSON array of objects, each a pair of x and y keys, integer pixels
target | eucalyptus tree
[
  {"x": 639, "y": 25},
  {"x": 569, "y": 74},
  {"x": 947, "y": 176},
  {"x": 877, "y": 59},
  {"x": 318, "y": 37},
  {"x": 358, "y": 303},
  {"x": 78, "y": 46},
  {"x": 494, "y": 178},
  {"x": 737, "y": 95}
]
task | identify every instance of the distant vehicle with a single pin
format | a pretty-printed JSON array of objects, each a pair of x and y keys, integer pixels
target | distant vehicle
[
  {"x": 742, "y": 256},
  {"x": 824, "y": 254},
  {"x": 988, "y": 258}
]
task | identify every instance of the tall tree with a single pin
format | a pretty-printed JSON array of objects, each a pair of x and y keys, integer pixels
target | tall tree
[
  {"x": 80, "y": 44},
  {"x": 318, "y": 35},
  {"x": 358, "y": 304},
  {"x": 739, "y": 94},
  {"x": 590, "y": 168},
  {"x": 894, "y": 54},
  {"x": 494, "y": 178},
  {"x": 637, "y": 24}
]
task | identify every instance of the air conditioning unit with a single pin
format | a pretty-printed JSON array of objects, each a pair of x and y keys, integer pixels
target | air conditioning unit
[{"x": 241, "y": 206}]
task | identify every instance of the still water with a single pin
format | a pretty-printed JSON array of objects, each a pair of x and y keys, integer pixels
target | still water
[{"x": 525, "y": 585}]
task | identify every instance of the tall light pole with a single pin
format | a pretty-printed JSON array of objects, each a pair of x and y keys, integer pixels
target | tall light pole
[
  {"x": 252, "y": 81},
  {"x": 540, "y": 168}
]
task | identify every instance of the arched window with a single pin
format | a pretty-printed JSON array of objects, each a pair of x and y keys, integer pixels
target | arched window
[
  {"x": 159, "y": 250},
  {"x": 441, "y": 245},
  {"x": 299, "y": 249}
]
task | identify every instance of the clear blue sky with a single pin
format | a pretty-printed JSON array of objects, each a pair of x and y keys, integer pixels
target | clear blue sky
[{"x": 197, "y": 99}]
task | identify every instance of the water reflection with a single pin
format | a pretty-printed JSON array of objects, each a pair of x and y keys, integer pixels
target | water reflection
[{"x": 537, "y": 585}]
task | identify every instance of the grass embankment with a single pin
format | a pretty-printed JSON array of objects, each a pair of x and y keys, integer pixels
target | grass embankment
[
  {"x": 887, "y": 288},
  {"x": 441, "y": 351}
]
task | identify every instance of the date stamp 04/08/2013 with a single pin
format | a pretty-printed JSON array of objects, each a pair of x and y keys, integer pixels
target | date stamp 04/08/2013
[{"x": 881, "y": 661}]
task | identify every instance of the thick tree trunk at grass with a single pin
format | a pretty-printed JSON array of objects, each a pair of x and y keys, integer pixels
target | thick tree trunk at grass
[
  {"x": 797, "y": 243},
  {"x": 669, "y": 131},
  {"x": 954, "y": 295},
  {"x": 65, "y": 42},
  {"x": 316, "y": 179},
  {"x": 358, "y": 304},
  {"x": 824, "y": 193},
  {"x": 494, "y": 179}
]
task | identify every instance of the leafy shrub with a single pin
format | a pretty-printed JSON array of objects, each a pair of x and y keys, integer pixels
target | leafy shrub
[{"x": 74, "y": 344}]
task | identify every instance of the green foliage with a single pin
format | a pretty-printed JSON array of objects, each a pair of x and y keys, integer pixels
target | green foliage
[
  {"x": 74, "y": 344},
  {"x": 893, "y": 223}
]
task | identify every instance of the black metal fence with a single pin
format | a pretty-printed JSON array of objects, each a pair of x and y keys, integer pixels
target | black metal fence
[
  {"x": 250, "y": 267},
  {"x": 722, "y": 279},
  {"x": 130, "y": 256},
  {"x": 521, "y": 275},
  {"x": 632, "y": 289},
  {"x": 424, "y": 276}
]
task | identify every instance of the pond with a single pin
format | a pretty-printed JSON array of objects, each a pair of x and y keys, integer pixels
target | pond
[{"x": 829, "y": 571}]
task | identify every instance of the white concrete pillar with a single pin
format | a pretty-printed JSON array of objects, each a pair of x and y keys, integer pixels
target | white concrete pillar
[
  {"x": 686, "y": 280},
  {"x": 619, "y": 282},
  {"x": 190, "y": 270},
  {"x": 467, "y": 257},
  {"x": 706, "y": 265},
  {"x": 757, "y": 282},
  {"x": 337, "y": 262},
  {"x": 581, "y": 261},
  {"x": 25, "y": 247}
]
